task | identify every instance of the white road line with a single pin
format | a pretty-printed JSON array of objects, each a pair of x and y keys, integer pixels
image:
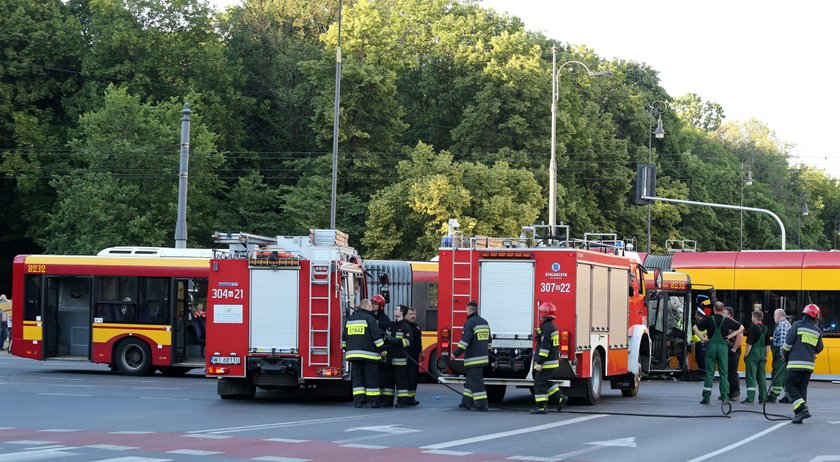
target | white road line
[
  {"x": 492, "y": 436},
  {"x": 31, "y": 442},
  {"x": 193, "y": 452},
  {"x": 61, "y": 430},
  {"x": 112, "y": 447},
  {"x": 209, "y": 437},
  {"x": 740, "y": 443},
  {"x": 28, "y": 456},
  {"x": 62, "y": 394},
  {"x": 280, "y": 459},
  {"x": 133, "y": 459},
  {"x": 286, "y": 440},
  {"x": 286, "y": 424},
  {"x": 447, "y": 453},
  {"x": 160, "y": 398},
  {"x": 130, "y": 432},
  {"x": 71, "y": 385},
  {"x": 364, "y": 446}
]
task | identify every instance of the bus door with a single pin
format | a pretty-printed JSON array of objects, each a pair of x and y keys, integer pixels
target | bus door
[
  {"x": 188, "y": 320},
  {"x": 67, "y": 317}
]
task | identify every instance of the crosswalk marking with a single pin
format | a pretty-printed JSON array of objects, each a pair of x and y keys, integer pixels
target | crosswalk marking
[
  {"x": 133, "y": 459},
  {"x": 111, "y": 447},
  {"x": 193, "y": 452},
  {"x": 280, "y": 459}
]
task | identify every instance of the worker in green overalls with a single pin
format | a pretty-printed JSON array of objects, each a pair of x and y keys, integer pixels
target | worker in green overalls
[
  {"x": 718, "y": 328},
  {"x": 758, "y": 346}
]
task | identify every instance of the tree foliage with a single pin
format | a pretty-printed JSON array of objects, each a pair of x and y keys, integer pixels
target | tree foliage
[{"x": 445, "y": 112}]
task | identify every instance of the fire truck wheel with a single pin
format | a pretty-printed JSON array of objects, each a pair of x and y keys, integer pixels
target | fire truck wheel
[
  {"x": 133, "y": 357},
  {"x": 637, "y": 382},
  {"x": 432, "y": 372},
  {"x": 496, "y": 393},
  {"x": 593, "y": 383}
]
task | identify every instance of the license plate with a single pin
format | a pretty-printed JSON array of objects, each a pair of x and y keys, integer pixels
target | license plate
[{"x": 225, "y": 360}]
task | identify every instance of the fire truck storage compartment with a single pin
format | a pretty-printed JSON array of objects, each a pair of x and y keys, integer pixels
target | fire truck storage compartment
[
  {"x": 507, "y": 303},
  {"x": 602, "y": 305},
  {"x": 274, "y": 310}
]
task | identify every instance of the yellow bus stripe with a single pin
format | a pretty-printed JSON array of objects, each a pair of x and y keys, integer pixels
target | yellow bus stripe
[{"x": 85, "y": 260}]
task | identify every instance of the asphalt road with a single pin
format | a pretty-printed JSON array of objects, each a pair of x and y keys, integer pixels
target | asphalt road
[{"x": 70, "y": 411}]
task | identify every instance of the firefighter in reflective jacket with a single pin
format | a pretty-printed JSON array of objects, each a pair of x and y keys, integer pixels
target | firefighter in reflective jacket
[
  {"x": 386, "y": 371},
  {"x": 546, "y": 361},
  {"x": 475, "y": 345},
  {"x": 802, "y": 344},
  {"x": 400, "y": 338},
  {"x": 364, "y": 347}
]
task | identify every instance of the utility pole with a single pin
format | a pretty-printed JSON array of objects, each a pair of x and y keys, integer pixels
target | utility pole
[{"x": 183, "y": 175}]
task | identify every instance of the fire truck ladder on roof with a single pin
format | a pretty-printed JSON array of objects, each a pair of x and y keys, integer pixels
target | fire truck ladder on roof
[
  {"x": 320, "y": 309},
  {"x": 460, "y": 296}
]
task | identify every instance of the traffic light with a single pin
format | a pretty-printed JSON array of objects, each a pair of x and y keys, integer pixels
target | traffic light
[{"x": 645, "y": 183}]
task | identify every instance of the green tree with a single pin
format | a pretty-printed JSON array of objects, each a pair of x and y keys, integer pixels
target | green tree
[
  {"x": 122, "y": 187},
  {"x": 407, "y": 219}
]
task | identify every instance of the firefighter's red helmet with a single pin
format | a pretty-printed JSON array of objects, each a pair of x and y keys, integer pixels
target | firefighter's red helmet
[
  {"x": 812, "y": 310},
  {"x": 379, "y": 300},
  {"x": 548, "y": 310}
]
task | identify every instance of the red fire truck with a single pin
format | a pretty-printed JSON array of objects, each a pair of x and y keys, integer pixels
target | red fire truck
[
  {"x": 596, "y": 286},
  {"x": 276, "y": 307}
]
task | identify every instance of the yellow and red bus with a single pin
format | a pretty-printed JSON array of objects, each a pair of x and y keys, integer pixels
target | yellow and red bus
[
  {"x": 415, "y": 284},
  {"x": 137, "y": 309},
  {"x": 768, "y": 280}
]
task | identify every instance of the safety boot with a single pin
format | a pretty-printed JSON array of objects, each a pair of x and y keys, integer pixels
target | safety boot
[
  {"x": 562, "y": 402},
  {"x": 800, "y": 416},
  {"x": 539, "y": 410},
  {"x": 785, "y": 400}
]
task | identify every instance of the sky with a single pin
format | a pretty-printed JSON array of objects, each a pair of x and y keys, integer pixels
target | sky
[{"x": 771, "y": 60}]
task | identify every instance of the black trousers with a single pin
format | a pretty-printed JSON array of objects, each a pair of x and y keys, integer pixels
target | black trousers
[
  {"x": 796, "y": 388},
  {"x": 386, "y": 383},
  {"x": 364, "y": 376},
  {"x": 413, "y": 373},
  {"x": 734, "y": 380},
  {"x": 404, "y": 395},
  {"x": 544, "y": 391},
  {"x": 475, "y": 395}
]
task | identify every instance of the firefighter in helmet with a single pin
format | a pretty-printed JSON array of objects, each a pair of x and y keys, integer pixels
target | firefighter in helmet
[
  {"x": 802, "y": 344},
  {"x": 364, "y": 346},
  {"x": 475, "y": 345},
  {"x": 386, "y": 370},
  {"x": 546, "y": 361}
]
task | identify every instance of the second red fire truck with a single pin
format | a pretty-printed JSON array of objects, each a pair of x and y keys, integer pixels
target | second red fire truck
[{"x": 597, "y": 287}]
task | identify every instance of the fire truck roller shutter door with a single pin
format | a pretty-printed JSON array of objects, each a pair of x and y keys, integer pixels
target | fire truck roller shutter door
[
  {"x": 507, "y": 299},
  {"x": 274, "y": 309}
]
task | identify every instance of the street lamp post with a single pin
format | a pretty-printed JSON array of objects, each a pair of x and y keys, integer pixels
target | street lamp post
[
  {"x": 654, "y": 110},
  {"x": 748, "y": 181},
  {"x": 336, "y": 102},
  {"x": 552, "y": 169}
]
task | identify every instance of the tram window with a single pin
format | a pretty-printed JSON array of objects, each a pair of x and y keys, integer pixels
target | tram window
[
  {"x": 749, "y": 301},
  {"x": 829, "y": 303},
  {"x": 784, "y": 299}
]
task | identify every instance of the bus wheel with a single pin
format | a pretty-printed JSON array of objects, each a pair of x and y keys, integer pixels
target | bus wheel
[
  {"x": 593, "y": 384},
  {"x": 496, "y": 393},
  {"x": 133, "y": 357}
]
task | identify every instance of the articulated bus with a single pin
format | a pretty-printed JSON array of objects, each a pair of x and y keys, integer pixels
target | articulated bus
[
  {"x": 767, "y": 280},
  {"x": 135, "y": 309},
  {"x": 415, "y": 284}
]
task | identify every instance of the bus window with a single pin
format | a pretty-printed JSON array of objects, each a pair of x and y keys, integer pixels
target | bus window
[
  {"x": 116, "y": 299},
  {"x": 154, "y": 301}
]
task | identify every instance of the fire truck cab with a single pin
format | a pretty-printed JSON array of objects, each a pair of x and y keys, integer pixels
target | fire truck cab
[
  {"x": 276, "y": 307},
  {"x": 597, "y": 287}
]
